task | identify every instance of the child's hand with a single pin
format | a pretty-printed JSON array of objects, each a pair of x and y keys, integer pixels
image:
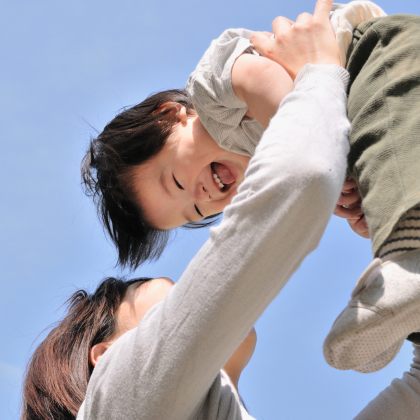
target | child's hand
[
  {"x": 349, "y": 207},
  {"x": 308, "y": 40}
]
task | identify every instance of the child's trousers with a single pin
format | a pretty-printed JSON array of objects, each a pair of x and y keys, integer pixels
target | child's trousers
[{"x": 384, "y": 108}]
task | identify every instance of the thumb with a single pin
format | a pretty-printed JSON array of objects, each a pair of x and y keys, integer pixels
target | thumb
[
  {"x": 262, "y": 43},
  {"x": 323, "y": 9},
  {"x": 269, "y": 34}
]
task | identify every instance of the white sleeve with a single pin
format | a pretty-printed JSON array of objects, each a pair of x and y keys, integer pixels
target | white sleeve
[
  {"x": 164, "y": 368},
  {"x": 210, "y": 89},
  {"x": 345, "y": 18}
]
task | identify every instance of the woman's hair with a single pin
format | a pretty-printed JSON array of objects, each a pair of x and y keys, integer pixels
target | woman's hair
[
  {"x": 134, "y": 136},
  {"x": 59, "y": 370}
]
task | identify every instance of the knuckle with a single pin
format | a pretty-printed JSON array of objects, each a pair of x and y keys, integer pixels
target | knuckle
[
  {"x": 269, "y": 51},
  {"x": 317, "y": 24},
  {"x": 305, "y": 15},
  {"x": 301, "y": 27},
  {"x": 276, "y": 22}
]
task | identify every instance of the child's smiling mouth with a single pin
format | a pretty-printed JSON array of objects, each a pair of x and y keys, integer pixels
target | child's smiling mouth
[{"x": 222, "y": 176}]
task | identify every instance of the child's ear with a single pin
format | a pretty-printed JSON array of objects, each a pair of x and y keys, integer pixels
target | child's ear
[
  {"x": 175, "y": 109},
  {"x": 182, "y": 115},
  {"x": 97, "y": 351}
]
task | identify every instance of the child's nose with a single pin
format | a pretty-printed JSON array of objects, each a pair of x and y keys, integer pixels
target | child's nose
[{"x": 201, "y": 193}]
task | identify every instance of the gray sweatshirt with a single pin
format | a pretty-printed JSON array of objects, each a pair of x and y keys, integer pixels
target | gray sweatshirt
[{"x": 169, "y": 367}]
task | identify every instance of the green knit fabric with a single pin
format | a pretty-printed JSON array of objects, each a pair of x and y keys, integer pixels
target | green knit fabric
[{"x": 384, "y": 108}]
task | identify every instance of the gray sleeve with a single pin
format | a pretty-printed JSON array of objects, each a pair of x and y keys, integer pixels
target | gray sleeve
[
  {"x": 399, "y": 401},
  {"x": 164, "y": 368},
  {"x": 211, "y": 92}
]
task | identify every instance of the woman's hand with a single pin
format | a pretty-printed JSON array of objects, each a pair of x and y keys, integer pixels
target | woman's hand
[
  {"x": 349, "y": 207},
  {"x": 310, "y": 39}
]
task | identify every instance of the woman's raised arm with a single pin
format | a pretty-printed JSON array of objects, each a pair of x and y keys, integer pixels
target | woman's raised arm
[{"x": 165, "y": 367}]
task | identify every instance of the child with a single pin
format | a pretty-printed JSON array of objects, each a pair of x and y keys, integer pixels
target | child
[{"x": 383, "y": 59}]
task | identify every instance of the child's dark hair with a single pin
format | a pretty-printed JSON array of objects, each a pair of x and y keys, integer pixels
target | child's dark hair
[
  {"x": 57, "y": 375},
  {"x": 135, "y": 135}
]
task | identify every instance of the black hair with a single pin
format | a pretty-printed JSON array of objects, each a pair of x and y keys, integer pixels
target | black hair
[
  {"x": 57, "y": 375},
  {"x": 135, "y": 135}
]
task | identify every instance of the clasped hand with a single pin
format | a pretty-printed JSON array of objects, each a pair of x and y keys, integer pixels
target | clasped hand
[{"x": 310, "y": 39}]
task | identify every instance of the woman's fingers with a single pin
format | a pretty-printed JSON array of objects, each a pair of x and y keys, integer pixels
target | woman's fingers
[
  {"x": 323, "y": 9},
  {"x": 348, "y": 198},
  {"x": 304, "y": 18},
  {"x": 349, "y": 184},
  {"x": 355, "y": 218},
  {"x": 309, "y": 40},
  {"x": 281, "y": 25},
  {"x": 267, "y": 34},
  {"x": 262, "y": 43},
  {"x": 359, "y": 226},
  {"x": 353, "y": 213}
]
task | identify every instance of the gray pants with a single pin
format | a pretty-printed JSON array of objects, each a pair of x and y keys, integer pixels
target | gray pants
[{"x": 384, "y": 108}]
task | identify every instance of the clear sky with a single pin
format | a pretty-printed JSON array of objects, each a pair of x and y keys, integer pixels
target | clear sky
[{"x": 67, "y": 66}]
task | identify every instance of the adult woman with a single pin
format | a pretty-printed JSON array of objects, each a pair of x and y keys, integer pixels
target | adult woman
[{"x": 60, "y": 369}]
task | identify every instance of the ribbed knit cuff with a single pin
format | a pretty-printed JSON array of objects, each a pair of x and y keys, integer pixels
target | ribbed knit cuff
[
  {"x": 405, "y": 236},
  {"x": 332, "y": 76}
]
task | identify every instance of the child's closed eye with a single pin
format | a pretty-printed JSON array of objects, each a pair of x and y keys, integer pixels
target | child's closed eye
[
  {"x": 198, "y": 211},
  {"x": 177, "y": 183}
]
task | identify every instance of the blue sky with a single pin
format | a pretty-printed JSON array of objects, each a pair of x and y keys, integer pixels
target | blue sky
[{"x": 67, "y": 66}]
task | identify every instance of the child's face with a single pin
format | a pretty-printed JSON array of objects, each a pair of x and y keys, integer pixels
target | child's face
[{"x": 178, "y": 186}]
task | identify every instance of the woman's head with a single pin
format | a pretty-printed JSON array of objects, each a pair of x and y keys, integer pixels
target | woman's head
[
  {"x": 59, "y": 370},
  {"x": 152, "y": 169},
  {"x": 139, "y": 297}
]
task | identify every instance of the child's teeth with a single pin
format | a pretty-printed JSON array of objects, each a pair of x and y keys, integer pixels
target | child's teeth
[{"x": 218, "y": 182}]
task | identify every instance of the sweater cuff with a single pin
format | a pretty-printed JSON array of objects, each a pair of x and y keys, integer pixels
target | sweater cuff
[{"x": 332, "y": 76}]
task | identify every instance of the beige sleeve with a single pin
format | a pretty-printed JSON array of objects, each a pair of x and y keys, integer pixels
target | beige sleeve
[
  {"x": 346, "y": 17},
  {"x": 211, "y": 92}
]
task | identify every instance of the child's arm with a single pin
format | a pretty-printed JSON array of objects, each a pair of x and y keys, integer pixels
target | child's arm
[{"x": 260, "y": 83}]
